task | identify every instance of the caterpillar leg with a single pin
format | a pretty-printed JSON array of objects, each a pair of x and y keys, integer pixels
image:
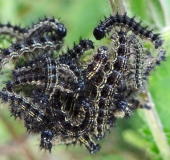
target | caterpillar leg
[
  {"x": 45, "y": 142},
  {"x": 89, "y": 143}
]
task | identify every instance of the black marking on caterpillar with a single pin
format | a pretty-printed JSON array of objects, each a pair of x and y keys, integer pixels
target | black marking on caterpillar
[
  {"x": 46, "y": 137},
  {"x": 122, "y": 109},
  {"x": 13, "y": 31},
  {"x": 28, "y": 45},
  {"x": 138, "y": 51},
  {"x": 61, "y": 125},
  {"x": 99, "y": 78},
  {"x": 120, "y": 63},
  {"x": 79, "y": 103},
  {"x": 99, "y": 60},
  {"x": 130, "y": 23},
  {"x": 161, "y": 56},
  {"x": 150, "y": 62},
  {"x": 111, "y": 85},
  {"x": 20, "y": 107},
  {"x": 112, "y": 81},
  {"x": 77, "y": 51},
  {"x": 54, "y": 76},
  {"x": 35, "y": 65},
  {"x": 101, "y": 119},
  {"x": 33, "y": 115},
  {"x": 71, "y": 59},
  {"x": 89, "y": 143},
  {"x": 58, "y": 76},
  {"x": 67, "y": 128},
  {"x": 45, "y": 25},
  {"x": 38, "y": 79},
  {"x": 54, "y": 73},
  {"x": 86, "y": 140}
]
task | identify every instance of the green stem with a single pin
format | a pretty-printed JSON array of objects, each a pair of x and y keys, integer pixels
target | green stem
[
  {"x": 117, "y": 6},
  {"x": 155, "y": 127}
]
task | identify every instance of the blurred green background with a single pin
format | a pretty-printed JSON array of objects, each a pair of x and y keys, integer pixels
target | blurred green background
[{"x": 131, "y": 139}]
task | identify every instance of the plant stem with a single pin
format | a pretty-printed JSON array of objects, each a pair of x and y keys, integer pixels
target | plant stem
[
  {"x": 155, "y": 126},
  {"x": 117, "y": 6},
  {"x": 165, "y": 9}
]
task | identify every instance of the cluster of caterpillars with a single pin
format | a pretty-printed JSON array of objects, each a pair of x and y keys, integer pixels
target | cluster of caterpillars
[{"x": 69, "y": 101}]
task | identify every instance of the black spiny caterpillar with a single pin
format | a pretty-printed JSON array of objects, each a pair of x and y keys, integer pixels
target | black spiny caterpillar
[{"x": 129, "y": 23}]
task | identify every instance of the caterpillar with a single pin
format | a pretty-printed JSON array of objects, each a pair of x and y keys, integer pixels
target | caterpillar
[
  {"x": 93, "y": 74},
  {"x": 13, "y": 31},
  {"x": 77, "y": 51},
  {"x": 112, "y": 80},
  {"x": 45, "y": 25},
  {"x": 21, "y": 107},
  {"x": 71, "y": 58},
  {"x": 54, "y": 73},
  {"x": 71, "y": 101},
  {"x": 99, "y": 60},
  {"x": 29, "y": 79},
  {"x": 28, "y": 45},
  {"x": 139, "y": 55},
  {"x": 122, "y": 55},
  {"x": 83, "y": 130},
  {"x": 61, "y": 124},
  {"x": 54, "y": 76},
  {"x": 129, "y": 23},
  {"x": 112, "y": 83},
  {"x": 89, "y": 143},
  {"x": 32, "y": 66}
]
